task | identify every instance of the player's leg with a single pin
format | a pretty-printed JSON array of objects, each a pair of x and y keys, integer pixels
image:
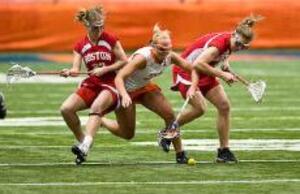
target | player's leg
[
  {"x": 157, "y": 103},
  {"x": 124, "y": 125},
  {"x": 69, "y": 109},
  {"x": 103, "y": 102},
  {"x": 219, "y": 99},
  {"x": 196, "y": 109}
]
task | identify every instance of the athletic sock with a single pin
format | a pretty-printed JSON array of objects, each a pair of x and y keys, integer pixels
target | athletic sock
[{"x": 86, "y": 144}]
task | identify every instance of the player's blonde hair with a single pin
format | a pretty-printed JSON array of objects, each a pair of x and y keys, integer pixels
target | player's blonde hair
[
  {"x": 159, "y": 34},
  {"x": 89, "y": 16},
  {"x": 244, "y": 28}
]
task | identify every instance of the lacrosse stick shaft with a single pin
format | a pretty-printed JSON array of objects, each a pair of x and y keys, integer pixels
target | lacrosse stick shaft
[
  {"x": 240, "y": 78},
  {"x": 56, "y": 73},
  {"x": 182, "y": 108}
]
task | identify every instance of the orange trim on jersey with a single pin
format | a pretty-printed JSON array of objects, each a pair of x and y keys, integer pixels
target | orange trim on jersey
[{"x": 138, "y": 93}]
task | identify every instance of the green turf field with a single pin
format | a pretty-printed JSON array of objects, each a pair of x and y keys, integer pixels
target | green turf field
[{"x": 35, "y": 153}]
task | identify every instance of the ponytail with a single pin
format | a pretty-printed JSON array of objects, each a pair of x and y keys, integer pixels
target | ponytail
[
  {"x": 89, "y": 16},
  {"x": 82, "y": 16},
  {"x": 244, "y": 28}
]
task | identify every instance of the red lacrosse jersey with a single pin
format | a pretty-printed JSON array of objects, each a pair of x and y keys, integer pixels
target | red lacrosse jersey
[
  {"x": 98, "y": 55},
  {"x": 219, "y": 40}
]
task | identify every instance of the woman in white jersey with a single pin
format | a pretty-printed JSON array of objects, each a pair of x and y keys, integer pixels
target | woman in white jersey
[{"x": 135, "y": 86}]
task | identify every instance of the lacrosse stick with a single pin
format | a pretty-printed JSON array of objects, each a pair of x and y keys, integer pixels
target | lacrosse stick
[
  {"x": 181, "y": 109},
  {"x": 172, "y": 131},
  {"x": 256, "y": 89},
  {"x": 17, "y": 72}
]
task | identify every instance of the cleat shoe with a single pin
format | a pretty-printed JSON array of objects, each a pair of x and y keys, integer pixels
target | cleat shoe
[
  {"x": 80, "y": 156},
  {"x": 181, "y": 158},
  {"x": 225, "y": 156}
]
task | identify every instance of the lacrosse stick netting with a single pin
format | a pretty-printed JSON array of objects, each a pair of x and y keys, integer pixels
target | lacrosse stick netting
[
  {"x": 257, "y": 90},
  {"x": 17, "y": 72}
]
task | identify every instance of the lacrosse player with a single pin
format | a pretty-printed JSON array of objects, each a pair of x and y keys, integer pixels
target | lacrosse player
[
  {"x": 205, "y": 54},
  {"x": 102, "y": 54},
  {"x": 134, "y": 84},
  {"x": 2, "y": 107}
]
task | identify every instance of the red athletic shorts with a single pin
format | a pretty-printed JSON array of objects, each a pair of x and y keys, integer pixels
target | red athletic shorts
[
  {"x": 137, "y": 94},
  {"x": 182, "y": 82},
  {"x": 90, "y": 88}
]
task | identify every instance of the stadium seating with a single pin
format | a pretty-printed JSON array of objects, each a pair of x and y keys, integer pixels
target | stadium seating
[{"x": 48, "y": 25}]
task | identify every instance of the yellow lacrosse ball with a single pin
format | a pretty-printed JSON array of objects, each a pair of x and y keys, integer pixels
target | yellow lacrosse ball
[{"x": 191, "y": 161}]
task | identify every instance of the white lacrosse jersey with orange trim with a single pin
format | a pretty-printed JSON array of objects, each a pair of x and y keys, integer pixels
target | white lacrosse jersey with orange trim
[{"x": 142, "y": 77}]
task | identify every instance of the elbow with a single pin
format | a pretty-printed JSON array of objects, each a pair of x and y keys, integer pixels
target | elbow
[
  {"x": 117, "y": 79},
  {"x": 199, "y": 66},
  {"x": 189, "y": 67},
  {"x": 122, "y": 63}
]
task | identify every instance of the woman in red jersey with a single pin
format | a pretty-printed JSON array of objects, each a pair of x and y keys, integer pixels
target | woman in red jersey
[
  {"x": 205, "y": 54},
  {"x": 102, "y": 54}
]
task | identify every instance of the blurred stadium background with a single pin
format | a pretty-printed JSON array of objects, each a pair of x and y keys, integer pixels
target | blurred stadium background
[{"x": 35, "y": 144}]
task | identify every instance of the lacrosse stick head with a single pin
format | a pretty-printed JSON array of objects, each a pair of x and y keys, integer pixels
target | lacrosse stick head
[
  {"x": 257, "y": 90},
  {"x": 17, "y": 72},
  {"x": 169, "y": 134}
]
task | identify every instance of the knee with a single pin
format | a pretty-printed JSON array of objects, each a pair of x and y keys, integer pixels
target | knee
[
  {"x": 224, "y": 107},
  {"x": 98, "y": 108},
  {"x": 94, "y": 109},
  {"x": 198, "y": 108},
  {"x": 128, "y": 136},
  {"x": 128, "y": 133},
  {"x": 64, "y": 109},
  {"x": 199, "y": 111}
]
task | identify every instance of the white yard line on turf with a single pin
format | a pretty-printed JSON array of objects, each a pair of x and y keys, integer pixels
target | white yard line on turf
[
  {"x": 200, "y": 182},
  {"x": 247, "y": 109},
  {"x": 46, "y": 79},
  {"x": 237, "y": 144},
  {"x": 7, "y": 147},
  {"x": 195, "y": 144},
  {"x": 143, "y": 130},
  {"x": 58, "y": 121},
  {"x": 244, "y": 109},
  {"x": 107, "y": 163},
  {"x": 178, "y": 102}
]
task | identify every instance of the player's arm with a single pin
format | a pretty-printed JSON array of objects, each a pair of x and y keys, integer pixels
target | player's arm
[
  {"x": 179, "y": 61},
  {"x": 121, "y": 60},
  {"x": 226, "y": 66},
  {"x": 194, "y": 86},
  {"x": 138, "y": 62},
  {"x": 75, "y": 69},
  {"x": 201, "y": 64},
  {"x": 120, "y": 56}
]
